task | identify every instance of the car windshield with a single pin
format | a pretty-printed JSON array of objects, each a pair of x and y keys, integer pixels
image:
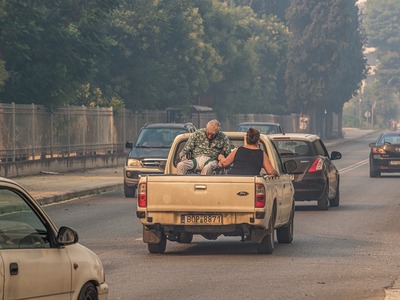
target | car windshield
[
  {"x": 157, "y": 137},
  {"x": 265, "y": 129},
  {"x": 20, "y": 227}
]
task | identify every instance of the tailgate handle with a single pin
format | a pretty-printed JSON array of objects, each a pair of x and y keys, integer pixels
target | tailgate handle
[
  {"x": 242, "y": 193},
  {"x": 200, "y": 187}
]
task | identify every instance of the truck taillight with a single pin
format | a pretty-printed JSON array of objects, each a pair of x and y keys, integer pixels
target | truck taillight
[
  {"x": 142, "y": 194},
  {"x": 316, "y": 166},
  {"x": 260, "y": 196}
]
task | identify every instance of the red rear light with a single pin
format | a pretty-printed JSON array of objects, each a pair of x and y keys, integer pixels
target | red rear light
[
  {"x": 142, "y": 195},
  {"x": 316, "y": 166},
  {"x": 376, "y": 150},
  {"x": 260, "y": 196}
]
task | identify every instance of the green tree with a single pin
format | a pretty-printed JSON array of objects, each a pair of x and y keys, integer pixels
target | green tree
[
  {"x": 51, "y": 47},
  {"x": 253, "y": 51},
  {"x": 160, "y": 58},
  {"x": 382, "y": 25},
  {"x": 325, "y": 60}
]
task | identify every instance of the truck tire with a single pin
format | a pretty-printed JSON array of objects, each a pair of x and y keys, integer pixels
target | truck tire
[
  {"x": 129, "y": 192},
  {"x": 266, "y": 246},
  {"x": 158, "y": 247},
  {"x": 285, "y": 234}
]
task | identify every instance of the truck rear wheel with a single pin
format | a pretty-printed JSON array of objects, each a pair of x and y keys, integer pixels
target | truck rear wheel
[
  {"x": 158, "y": 247},
  {"x": 266, "y": 246}
]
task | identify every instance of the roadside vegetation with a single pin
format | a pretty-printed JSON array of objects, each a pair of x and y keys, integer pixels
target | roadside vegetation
[{"x": 240, "y": 56}]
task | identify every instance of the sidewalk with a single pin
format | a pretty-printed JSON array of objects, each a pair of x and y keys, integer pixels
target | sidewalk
[{"x": 49, "y": 187}]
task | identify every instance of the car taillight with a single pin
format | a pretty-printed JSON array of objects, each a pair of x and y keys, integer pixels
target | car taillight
[
  {"x": 260, "y": 196},
  {"x": 316, "y": 166},
  {"x": 142, "y": 194},
  {"x": 378, "y": 151}
]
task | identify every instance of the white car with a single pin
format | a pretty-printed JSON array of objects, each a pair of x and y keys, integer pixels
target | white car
[{"x": 39, "y": 261}]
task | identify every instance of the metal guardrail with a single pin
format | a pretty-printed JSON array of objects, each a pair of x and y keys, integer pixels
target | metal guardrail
[{"x": 14, "y": 155}]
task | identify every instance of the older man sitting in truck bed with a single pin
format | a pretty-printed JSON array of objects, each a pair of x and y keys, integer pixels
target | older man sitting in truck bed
[{"x": 208, "y": 145}]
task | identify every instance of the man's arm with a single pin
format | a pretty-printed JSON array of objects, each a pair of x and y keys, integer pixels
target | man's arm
[{"x": 189, "y": 146}]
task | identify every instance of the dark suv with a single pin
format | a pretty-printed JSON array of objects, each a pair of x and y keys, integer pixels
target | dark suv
[{"x": 151, "y": 148}]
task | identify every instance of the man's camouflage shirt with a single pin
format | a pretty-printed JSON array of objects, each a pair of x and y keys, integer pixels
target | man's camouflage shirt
[{"x": 199, "y": 144}]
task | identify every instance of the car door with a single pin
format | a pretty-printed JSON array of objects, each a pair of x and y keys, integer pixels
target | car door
[
  {"x": 32, "y": 266},
  {"x": 283, "y": 184}
]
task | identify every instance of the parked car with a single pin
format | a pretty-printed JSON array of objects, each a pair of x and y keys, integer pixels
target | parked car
[
  {"x": 316, "y": 177},
  {"x": 150, "y": 149},
  {"x": 37, "y": 260},
  {"x": 384, "y": 156},
  {"x": 264, "y": 127}
]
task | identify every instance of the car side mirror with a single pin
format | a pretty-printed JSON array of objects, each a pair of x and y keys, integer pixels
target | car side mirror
[
  {"x": 336, "y": 155},
  {"x": 67, "y": 236},
  {"x": 129, "y": 145},
  {"x": 290, "y": 166},
  {"x": 372, "y": 144}
]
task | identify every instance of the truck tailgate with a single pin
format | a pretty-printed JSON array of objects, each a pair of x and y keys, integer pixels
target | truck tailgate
[{"x": 201, "y": 193}]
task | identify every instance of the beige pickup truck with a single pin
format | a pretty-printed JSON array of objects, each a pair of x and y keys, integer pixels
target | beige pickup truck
[{"x": 175, "y": 207}]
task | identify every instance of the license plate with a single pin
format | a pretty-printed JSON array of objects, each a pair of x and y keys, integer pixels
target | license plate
[
  {"x": 203, "y": 219},
  {"x": 395, "y": 162}
]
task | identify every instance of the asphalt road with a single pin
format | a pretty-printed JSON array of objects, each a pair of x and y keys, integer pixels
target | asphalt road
[{"x": 349, "y": 252}]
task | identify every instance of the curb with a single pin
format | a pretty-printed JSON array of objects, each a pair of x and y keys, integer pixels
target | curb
[
  {"x": 78, "y": 194},
  {"x": 392, "y": 294}
]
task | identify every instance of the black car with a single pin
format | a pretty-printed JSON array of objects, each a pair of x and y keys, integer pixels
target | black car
[
  {"x": 151, "y": 148},
  {"x": 263, "y": 127},
  {"x": 384, "y": 156},
  {"x": 316, "y": 177}
]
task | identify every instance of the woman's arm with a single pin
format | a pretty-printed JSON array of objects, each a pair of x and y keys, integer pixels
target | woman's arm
[
  {"x": 268, "y": 166},
  {"x": 226, "y": 161}
]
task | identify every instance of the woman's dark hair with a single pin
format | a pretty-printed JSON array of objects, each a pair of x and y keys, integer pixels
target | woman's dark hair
[{"x": 252, "y": 136}]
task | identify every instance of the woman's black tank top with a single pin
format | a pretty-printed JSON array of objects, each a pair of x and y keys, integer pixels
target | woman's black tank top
[{"x": 247, "y": 162}]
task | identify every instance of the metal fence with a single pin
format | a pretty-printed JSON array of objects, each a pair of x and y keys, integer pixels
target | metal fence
[{"x": 31, "y": 132}]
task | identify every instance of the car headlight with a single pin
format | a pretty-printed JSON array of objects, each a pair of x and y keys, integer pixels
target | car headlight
[{"x": 133, "y": 162}]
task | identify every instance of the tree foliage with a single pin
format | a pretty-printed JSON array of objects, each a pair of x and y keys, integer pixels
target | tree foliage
[
  {"x": 383, "y": 25},
  {"x": 325, "y": 60},
  {"x": 51, "y": 47},
  {"x": 154, "y": 54}
]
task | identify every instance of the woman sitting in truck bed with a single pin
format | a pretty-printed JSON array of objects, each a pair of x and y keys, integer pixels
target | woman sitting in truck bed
[{"x": 248, "y": 159}]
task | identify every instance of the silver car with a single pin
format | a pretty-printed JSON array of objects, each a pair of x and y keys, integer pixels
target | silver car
[{"x": 39, "y": 261}]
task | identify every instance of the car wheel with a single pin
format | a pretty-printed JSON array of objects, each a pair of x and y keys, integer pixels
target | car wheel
[
  {"x": 158, "y": 247},
  {"x": 323, "y": 202},
  {"x": 285, "y": 234},
  {"x": 266, "y": 246},
  {"x": 335, "y": 201},
  {"x": 373, "y": 173},
  {"x": 185, "y": 238},
  {"x": 88, "y": 292},
  {"x": 129, "y": 192}
]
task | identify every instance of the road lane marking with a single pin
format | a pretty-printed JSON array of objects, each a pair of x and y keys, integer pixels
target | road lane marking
[{"x": 354, "y": 166}]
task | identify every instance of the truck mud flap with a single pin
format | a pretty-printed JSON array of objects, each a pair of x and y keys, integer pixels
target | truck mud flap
[{"x": 151, "y": 236}]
